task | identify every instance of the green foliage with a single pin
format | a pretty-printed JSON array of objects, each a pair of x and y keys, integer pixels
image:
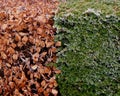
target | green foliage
[{"x": 90, "y": 54}]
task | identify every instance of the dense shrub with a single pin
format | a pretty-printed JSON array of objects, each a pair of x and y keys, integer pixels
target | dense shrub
[{"x": 90, "y": 54}]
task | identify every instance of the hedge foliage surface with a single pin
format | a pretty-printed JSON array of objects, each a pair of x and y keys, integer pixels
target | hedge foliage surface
[{"x": 90, "y": 54}]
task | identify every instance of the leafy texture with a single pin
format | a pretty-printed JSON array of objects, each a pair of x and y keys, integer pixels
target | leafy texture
[
  {"x": 26, "y": 47},
  {"x": 90, "y": 54}
]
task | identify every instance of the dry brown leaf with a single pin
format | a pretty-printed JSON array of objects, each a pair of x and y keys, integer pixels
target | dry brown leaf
[
  {"x": 34, "y": 67},
  {"x": 8, "y": 65},
  {"x": 51, "y": 85},
  {"x": 45, "y": 93},
  {"x": 11, "y": 50},
  {"x": 3, "y": 55},
  {"x": 42, "y": 19},
  {"x": 57, "y": 71},
  {"x": 54, "y": 91},
  {"x": 4, "y": 26},
  {"x": 13, "y": 45},
  {"x": 17, "y": 37},
  {"x": 46, "y": 70},
  {"x": 35, "y": 57},
  {"x": 24, "y": 39},
  {"x": 40, "y": 90},
  {"x": 37, "y": 75},
  {"x": 58, "y": 44},
  {"x": 15, "y": 56},
  {"x": 42, "y": 71},
  {"x": 20, "y": 44},
  {"x": 39, "y": 31},
  {"x": 48, "y": 90},
  {"x": 49, "y": 44},
  {"x": 43, "y": 54},
  {"x": 12, "y": 85},
  {"x": 43, "y": 83},
  {"x": 42, "y": 44},
  {"x": 38, "y": 49}
]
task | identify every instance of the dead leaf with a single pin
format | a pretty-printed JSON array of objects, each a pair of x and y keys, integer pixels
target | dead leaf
[
  {"x": 24, "y": 39},
  {"x": 4, "y": 26},
  {"x": 54, "y": 91},
  {"x": 35, "y": 57},
  {"x": 15, "y": 56},
  {"x": 3, "y": 55},
  {"x": 12, "y": 85},
  {"x": 58, "y": 44},
  {"x": 34, "y": 67},
  {"x": 11, "y": 50},
  {"x": 40, "y": 90},
  {"x": 49, "y": 44},
  {"x": 43, "y": 83},
  {"x": 17, "y": 37}
]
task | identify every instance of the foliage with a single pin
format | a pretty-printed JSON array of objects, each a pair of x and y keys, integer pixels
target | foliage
[
  {"x": 90, "y": 54},
  {"x": 26, "y": 47}
]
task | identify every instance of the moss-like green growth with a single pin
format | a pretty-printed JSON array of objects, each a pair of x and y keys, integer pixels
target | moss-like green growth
[{"x": 90, "y": 54}]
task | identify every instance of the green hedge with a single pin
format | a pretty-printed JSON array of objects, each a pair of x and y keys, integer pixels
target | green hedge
[{"x": 89, "y": 57}]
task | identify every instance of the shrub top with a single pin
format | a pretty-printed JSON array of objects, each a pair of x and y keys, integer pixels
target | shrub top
[{"x": 77, "y": 7}]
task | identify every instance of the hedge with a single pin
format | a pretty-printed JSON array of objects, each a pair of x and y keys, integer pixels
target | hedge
[{"x": 90, "y": 54}]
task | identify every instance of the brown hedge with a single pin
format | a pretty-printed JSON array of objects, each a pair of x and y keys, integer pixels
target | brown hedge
[{"x": 26, "y": 47}]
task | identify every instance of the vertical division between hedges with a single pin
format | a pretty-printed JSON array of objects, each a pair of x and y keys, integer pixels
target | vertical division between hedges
[{"x": 26, "y": 47}]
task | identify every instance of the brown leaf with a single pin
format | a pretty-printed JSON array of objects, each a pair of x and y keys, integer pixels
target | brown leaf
[
  {"x": 48, "y": 90},
  {"x": 42, "y": 43},
  {"x": 8, "y": 65},
  {"x": 11, "y": 50},
  {"x": 13, "y": 45},
  {"x": 34, "y": 67},
  {"x": 42, "y": 71},
  {"x": 46, "y": 70},
  {"x": 51, "y": 85},
  {"x": 12, "y": 85},
  {"x": 58, "y": 44},
  {"x": 15, "y": 56},
  {"x": 39, "y": 31},
  {"x": 3, "y": 55},
  {"x": 43, "y": 83},
  {"x": 57, "y": 71},
  {"x": 17, "y": 37},
  {"x": 42, "y": 19},
  {"x": 43, "y": 54},
  {"x": 38, "y": 49},
  {"x": 37, "y": 75},
  {"x": 54, "y": 91},
  {"x": 49, "y": 44},
  {"x": 45, "y": 93},
  {"x": 40, "y": 90},
  {"x": 24, "y": 39},
  {"x": 20, "y": 44},
  {"x": 35, "y": 57},
  {"x": 4, "y": 26}
]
